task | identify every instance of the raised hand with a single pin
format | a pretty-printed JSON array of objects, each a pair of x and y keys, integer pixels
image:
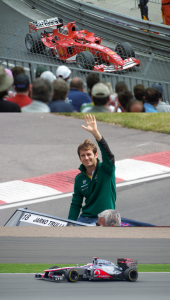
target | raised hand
[
  {"x": 92, "y": 127},
  {"x": 91, "y": 124}
]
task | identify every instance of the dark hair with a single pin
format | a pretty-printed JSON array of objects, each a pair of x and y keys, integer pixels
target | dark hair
[
  {"x": 61, "y": 89},
  {"x": 124, "y": 98},
  {"x": 100, "y": 101},
  {"x": 77, "y": 83},
  {"x": 17, "y": 71},
  {"x": 92, "y": 79},
  {"x": 88, "y": 144},
  {"x": 120, "y": 87},
  {"x": 152, "y": 96},
  {"x": 139, "y": 92},
  {"x": 42, "y": 90}
]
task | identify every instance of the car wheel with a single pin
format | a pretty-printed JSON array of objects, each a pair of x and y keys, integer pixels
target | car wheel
[
  {"x": 85, "y": 60},
  {"x": 131, "y": 274},
  {"x": 132, "y": 52},
  {"x": 72, "y": 275},
  {"x": 123, "y": 50},
  {"x": 48, "y": 52},
  {"x": 33, "y": 43}
]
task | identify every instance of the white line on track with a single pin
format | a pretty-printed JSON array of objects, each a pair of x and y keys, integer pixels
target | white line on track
[{"x": 49, "y": 198}]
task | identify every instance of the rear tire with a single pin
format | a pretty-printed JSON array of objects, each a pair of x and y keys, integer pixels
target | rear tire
[
  {"x": 85, "y": 60},
  {"x": 72, "y": 275},
  {"x": 131, "y": 274},
  {"x": 125, "y": 50},
  {"x": 33, "y": 43}
]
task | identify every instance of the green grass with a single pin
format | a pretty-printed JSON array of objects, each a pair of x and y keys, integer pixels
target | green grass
[
  {"x": 159, "y": 122},
  {"x": 39, "y": 268}
]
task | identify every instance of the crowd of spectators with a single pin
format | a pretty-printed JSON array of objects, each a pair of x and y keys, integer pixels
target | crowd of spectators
[{"x": 61, "y": 93}]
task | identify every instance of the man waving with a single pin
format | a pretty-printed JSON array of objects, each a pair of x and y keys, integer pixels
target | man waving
[{"x": 96, "y": 182}]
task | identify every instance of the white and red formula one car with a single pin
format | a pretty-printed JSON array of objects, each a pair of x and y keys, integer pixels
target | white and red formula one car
[
  {"x": 68, "y": 43},
  {"x": 126, "y": 269}
]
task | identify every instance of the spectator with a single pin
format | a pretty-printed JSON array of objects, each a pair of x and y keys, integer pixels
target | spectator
[
  {"x": 166, "y": 12},
  {"x": 101, "y": 98},
  {"x": 144, "y": 9},
  {"x": 17, "y": 70},
  {"x": 42, "y": 92},
  {"x": 120, "y": 87},
  {"x": 63, "y": 72},
  {"x": 91, "y": 80},
  {"x": 162, "y": 106},
  {"x": 10, "y": 92},
  {"x": 152, "y": 96},
  {"x": 5, "y": 83},
  {"x": 109, "y": 217},
  {"x": 77, "y": 95},
  {"x": 135, "y": 106},
  {"x": 58, "y": 103},
  {"x": 22, "y": 88},
  {"x": 39, "y": 71},
  {"x": 48, "y": 75},
  {"x": 124, "y": 98},
  {"x": 139, "y": 92}
]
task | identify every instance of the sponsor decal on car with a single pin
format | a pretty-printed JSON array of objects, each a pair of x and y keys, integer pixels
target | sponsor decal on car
[{"x": 60, "y": 51}]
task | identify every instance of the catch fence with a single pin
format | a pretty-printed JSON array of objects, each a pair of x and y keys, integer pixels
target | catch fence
[{"x": 131, "y": 81}]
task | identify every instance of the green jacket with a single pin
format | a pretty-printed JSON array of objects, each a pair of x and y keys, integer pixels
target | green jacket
[{"x": 100, "y": 191}]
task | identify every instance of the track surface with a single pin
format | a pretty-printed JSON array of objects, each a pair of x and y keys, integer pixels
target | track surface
[
  {"x": 13, "y": 46},
  {"x": 24, "y": 286},
  {"x": 55, "y": 250}
]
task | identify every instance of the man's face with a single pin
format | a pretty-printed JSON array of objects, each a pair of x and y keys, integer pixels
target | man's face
[{"x": 88, "y": 158}]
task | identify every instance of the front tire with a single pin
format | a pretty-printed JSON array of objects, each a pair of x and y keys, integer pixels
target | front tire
[
  {"x": 125, "y": 50},
  {"x": 85, "y": 60},
  {"x": 131, "y": 274},
  {"x": 72, "y": 275}
]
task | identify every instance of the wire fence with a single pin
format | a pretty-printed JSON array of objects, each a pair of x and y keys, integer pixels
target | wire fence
[{"x": 31, "y": 66}]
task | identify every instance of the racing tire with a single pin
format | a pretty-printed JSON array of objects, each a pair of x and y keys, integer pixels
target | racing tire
[
  {"x": 132, "y": 52},
  {"x": 72, "y": 275},
  {"x": 33, "y": 43},
  {"x": 123, "y": 50},
  {"x": 85, "y": 60},
  {"x": 131, "y": 274}
]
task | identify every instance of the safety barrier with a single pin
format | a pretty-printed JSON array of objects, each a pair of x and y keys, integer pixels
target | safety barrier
[
  {"x": 131, "y": 81},
  {"x": 146, "y": 36}
]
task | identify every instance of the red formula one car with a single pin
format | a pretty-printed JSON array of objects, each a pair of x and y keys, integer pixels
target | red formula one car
[
  {"x": 126, "y": 269},
  {"x": 68, "y": 43}
]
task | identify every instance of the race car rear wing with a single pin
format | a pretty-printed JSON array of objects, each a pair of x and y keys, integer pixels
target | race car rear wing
[{"x": 35, "y": 25}]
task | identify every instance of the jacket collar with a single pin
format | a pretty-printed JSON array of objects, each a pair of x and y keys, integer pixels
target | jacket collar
[{"x": 82, "y": 168}]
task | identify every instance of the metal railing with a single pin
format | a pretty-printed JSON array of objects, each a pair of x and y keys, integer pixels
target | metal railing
[{"x": 131, "y": 81}]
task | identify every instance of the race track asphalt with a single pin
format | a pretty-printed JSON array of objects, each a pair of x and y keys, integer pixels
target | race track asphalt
[{"x": 148, "y": 286}]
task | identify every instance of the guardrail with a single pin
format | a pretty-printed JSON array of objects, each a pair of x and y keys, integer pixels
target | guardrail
[
  {"x": 131, "y": 81},
  {"x": 146, "y": 36}
]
